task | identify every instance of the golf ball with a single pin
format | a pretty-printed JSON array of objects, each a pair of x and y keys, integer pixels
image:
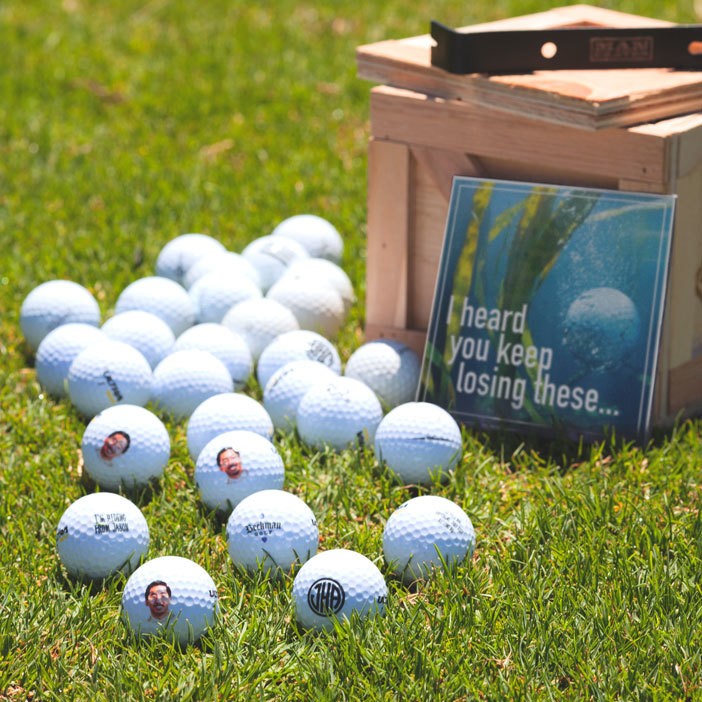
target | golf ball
[
  {"x": 226, "y": 345},
  {"x": 287, "y": 386},
  {"x": 390, "y": 368},
  {"x": 329, "y": 272},
  {"x": 296, "y": 345},
  {"x": 52, "y": 304},
  {"x": 125, "y": 446},
  {"x": 187, "y": 378},
  {"x": 108, "y": 373},
  {"x": 225, "y": 412},
  {"x": 161, "y": 296},
  {"x": 339, "y": 413},
  {"x": 229, "y": 262},
  {"x": 336, "y": 584},
  {"x": 177, "y": 257},
  {"x": 418, "y": 441},
  {"x": 272, "y": 529},
  {"x": 319, "y": 236},
  {"x": 271, "y": 255},
  {"x": 217, "y": 292},
  {"x": 233, "y": 466},
  {"x": 424, "y": 533},
  {"x": 101, "y": 534},
  {"x": 170, "y": 595},
  {"x": 57, "y": 351},
  {"x": 144, "y": 331}
]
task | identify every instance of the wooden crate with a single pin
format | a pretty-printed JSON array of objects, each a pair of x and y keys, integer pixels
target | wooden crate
[{"x": 419, "y": 141}]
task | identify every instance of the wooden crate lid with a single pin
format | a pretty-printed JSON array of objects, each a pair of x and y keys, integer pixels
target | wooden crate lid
[{"x": 587, "y": 98}]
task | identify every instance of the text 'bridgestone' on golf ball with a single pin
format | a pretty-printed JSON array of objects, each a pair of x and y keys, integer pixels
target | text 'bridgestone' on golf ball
[
  {"x": 125, "y": 446},
  {"x": 101, "y": 534},
  {"x": 144, "y": 331},
  {"x": 187, "y": 378},
  {"x": 390, "y": 368},
  {"x": 418, "y": 441},
  {"x": 319, "y": 236},
  {"x": 272, "y": 529},
  {"x": 108, "y": 373},
  {"x": 170, "y": 595},
  {"x": 54, "y": 303},
  {"x": 177, "y": 257},
  {"x": 424, "y": 533},
  {"x": 228, "y": 411},
  {"x": 336, "y": 584},
  {"x": 297, "y": 345},
  {"x": 233, "y": 466},
  {"x": 339, "y": 413}
]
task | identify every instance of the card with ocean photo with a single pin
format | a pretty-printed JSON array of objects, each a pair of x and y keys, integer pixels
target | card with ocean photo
[{"x": 548, "y": 308}]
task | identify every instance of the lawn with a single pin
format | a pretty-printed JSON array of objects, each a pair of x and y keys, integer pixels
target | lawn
[{"x": 126, "y": 123}]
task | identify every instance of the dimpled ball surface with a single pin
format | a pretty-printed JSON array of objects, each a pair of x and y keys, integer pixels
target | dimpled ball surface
[
  {"x": 271, "y": 529},
  {"x": 287, "y": 386},
  {"x": 193, "y": 604},
  {"x": 52, "y": 304},
  {"x": 228, "y": 411},
  {"x": 144, "y": 331},
  {"x": 422, "y": 532},
  {"x": 229, "y": 262},
  {"x": 260, "y": 321},
  {"x": 217, "y": 292},
  {"x": 101, "y": 534},
  {"x": 177, "y": 257},
  {"x": 297, "y": 345},
  {"x": 108, "y": 373},
  {"x": 322, "y": 269},
  {"x": 339, "y": 413},
  {"x": 148, "y": 447},
  {"x": 390, "y": 368},
  {"x": 187, "y": 378},
  {"x": 161, "y": 296},
  {"x": 418, "y": 441},
  {"x": 261, "y": 469},
  {"x": 57, "y": 351},
  {"x": 271, "y": 255},
  {"x": 319, "y": 236},
  {"x": 228, "y": 346},
  {"x": 335, "y": 584}
]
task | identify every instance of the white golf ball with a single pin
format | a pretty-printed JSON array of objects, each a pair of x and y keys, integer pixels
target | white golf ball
[
  {"x": 144, "y": 331},
  {"x": 217, "y": 292},
  {"x": 319, "y": 236},
  {"x": 57, "y": 351},
  {"x": 259, "y": 321},
  {"x": 125, "y": 446},
  {"x": 316, "y": 304},
  {"x": 233, "y": 466},
  {"x": 226, "y": 345},
  {"x": 161, "y": 296},
  {"x": 418, "y": 441},
  {"x": 271, "y": 255},
  {"x": 170, "y": 595},
  {"x": 272, "y": 529},
  {"x": 390, "y": 368},
  {"x": 339, "y": 413},
  {"x": 336, "y": 584},
  {"x": 52, "y": 304},
  {"x": 177, "y": 257},
  {"x": 108, "y": 373},
  {"x": 229, "y": 262},
  {"x": 228, "y": 411},
  {"x": 296, "y": 345},
  {"x": 424, "y": 533},
  {"x": 287, "y": 386},
  {"x": 323, "y": 270},
  {"x": 187, "y": 378},
  {"x": 101, "y": 534}
]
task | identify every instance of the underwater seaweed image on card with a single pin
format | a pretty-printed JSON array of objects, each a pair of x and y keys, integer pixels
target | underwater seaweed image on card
[{"x": 548, "y": 308}]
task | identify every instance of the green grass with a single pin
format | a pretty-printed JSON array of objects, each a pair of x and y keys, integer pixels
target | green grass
[{"x": 123, "y": 124}]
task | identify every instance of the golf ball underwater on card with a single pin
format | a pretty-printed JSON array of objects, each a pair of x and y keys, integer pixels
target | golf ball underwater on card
[
  {"x": 172, "y": 596},
  {"x": 101, "y": 534},
  {"x": 271, "y": 529},
  {"x": 336, "y": 584},
  {"x": 424, "y": 533},
  {"x": 418, "y": 441},
  {"x": 125, "y": 446},
  {"x": 233, "y": 466}
]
